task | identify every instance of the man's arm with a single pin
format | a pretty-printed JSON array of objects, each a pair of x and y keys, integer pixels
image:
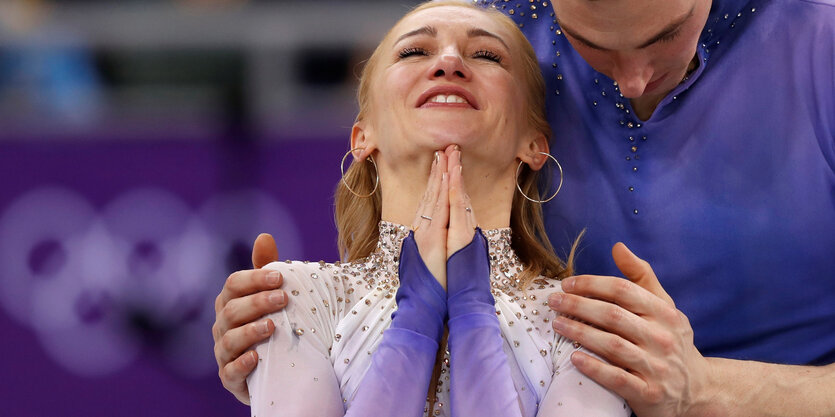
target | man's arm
[
  {"x": 765, "y": 389},
  {"x": 654, "y": 363},
  {"x": 246, "y": 297}
]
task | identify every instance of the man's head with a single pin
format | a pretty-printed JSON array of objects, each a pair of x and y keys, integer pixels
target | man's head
[{"x": 644, "y": 45}]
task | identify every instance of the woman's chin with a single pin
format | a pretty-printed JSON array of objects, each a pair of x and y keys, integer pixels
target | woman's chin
[{"x": 442, "y": 139}]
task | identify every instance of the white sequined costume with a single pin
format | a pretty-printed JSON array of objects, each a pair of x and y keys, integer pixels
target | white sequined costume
[{"x": 337, "y": 314}]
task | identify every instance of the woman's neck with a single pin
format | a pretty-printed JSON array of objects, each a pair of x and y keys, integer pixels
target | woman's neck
[{"x": 490, "y": 189}]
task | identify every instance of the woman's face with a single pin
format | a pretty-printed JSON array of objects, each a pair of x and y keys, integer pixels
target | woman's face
[{"x": 448, "y": 75}]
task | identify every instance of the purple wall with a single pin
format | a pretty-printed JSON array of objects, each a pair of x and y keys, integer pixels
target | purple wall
[{"x": 111, "y": 255}]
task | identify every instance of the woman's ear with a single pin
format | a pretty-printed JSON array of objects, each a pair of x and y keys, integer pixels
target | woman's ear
[
  {"x": 361, "y": 138},
  {"x": 530, "y": 152}
]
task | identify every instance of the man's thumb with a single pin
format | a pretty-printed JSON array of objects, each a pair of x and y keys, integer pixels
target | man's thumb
[
  {"x": 264, "y": 250},
  {"x": 638, "y": 271}
]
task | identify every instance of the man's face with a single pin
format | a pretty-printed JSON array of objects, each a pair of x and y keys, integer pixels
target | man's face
[{"x": 644, "y": 45}]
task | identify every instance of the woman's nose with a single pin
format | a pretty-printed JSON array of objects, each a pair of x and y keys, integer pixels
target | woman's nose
[{"x": 450, "y": 66}]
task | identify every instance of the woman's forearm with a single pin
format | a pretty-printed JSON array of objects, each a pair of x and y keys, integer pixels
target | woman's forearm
[
  {"x": 398, "y": 380},
  {"x": 479, "y": 371}
]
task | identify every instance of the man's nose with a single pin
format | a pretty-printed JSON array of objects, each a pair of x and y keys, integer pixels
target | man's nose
[{"x": 632, "y": 73}]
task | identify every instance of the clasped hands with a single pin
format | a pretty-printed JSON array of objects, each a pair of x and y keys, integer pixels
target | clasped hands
[{"x": 444, "y": 222}]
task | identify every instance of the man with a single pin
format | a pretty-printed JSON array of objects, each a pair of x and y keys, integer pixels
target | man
[{"x": 703, "y": 136}]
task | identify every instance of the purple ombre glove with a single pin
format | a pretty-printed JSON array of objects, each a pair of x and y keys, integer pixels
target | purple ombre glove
[
  {"x": 398, "y": 379},
  {"x": 481, "y": 383}
]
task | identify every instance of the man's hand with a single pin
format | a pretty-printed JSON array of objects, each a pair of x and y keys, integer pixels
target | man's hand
[
  {"x": 246, "y": 296},
  {"x": 635, "y": 326}
]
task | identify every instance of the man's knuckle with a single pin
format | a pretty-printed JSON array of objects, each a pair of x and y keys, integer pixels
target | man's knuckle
[
  {"x": 225, "y": 344},
  {"x": 219, "y": 302},
  {"x": 662, "y": 370},
  {"x": 216, "y": 332},
  {"x": 619, "y": 381},
  {"x": 670, "y": 314},
  {"x": 652, "y": 394},
  {"x": 665, "y": 342},
  {"x": 614, "y": 314},
  {"x": 622, "y": 288},
  {"x": 218, "y": 356},
  {"x": 232, "y": 280},
  {"x": 261, "y": 301},
  {"x": 229, "y": 313},
  {"x": 616, "y": 346}
]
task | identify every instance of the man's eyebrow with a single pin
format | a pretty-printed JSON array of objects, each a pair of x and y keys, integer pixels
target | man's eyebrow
[
  {"x": 475, "y": 32},
  {"x": 426, "y": 30},
  {"x": 667, "y": 31}
]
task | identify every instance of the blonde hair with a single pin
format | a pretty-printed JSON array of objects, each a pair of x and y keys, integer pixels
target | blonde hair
[{"x": 357, "y": 218}]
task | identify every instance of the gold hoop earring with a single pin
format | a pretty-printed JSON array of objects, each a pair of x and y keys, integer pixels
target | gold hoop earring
[
  {"x": 558, "y": 188},
  {"x": 345, "y": 183}
]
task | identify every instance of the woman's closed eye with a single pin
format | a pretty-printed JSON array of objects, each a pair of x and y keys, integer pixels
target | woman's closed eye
[
  {"x": 412, "y": 51},
  {"x": 485, "y": 54},
  {"x": 488, "y": 55}
]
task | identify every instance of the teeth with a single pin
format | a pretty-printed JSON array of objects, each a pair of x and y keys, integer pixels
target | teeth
[{"x": 452, "y": 98}]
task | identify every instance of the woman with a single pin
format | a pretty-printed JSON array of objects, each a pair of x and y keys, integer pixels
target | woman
[{"x": 360, "y": 338}]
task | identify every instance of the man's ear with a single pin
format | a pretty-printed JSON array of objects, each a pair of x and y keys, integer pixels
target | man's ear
[
  {"x": 362, "y": 139},
  {"x": 530, "y": 152}
]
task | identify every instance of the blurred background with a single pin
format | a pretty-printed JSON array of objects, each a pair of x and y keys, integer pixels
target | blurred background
[{"x": 143, "y": 146}]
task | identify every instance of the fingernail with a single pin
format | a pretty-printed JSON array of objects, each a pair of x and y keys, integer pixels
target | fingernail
[
  {"x": 457, "y": 148},
  {"x": 277, "y": 298},
  {"x": 443, "y": 176},
  {"x": 460, "y": 169},
  {"x": 263, "y": 327},
  {"x": 558, "y": 323},
  {"x": 249, "y": 359},
  {"x": 568, "y": 284},
  {"x": 554, "y": 300},
  {"x": 437, "y": 157},
  {"x": 272, "y": 278}
]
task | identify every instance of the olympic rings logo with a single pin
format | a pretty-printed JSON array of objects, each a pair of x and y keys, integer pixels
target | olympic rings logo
[{"x": 100, "y": 286}]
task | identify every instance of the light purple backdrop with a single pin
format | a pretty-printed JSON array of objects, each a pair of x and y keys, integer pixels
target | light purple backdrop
[{"x": 111, "y": 255}]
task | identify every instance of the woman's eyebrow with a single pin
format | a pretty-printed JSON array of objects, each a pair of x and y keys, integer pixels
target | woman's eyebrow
[
  {"x": 432, "y": 31},
  {"x": 426, "y": 30},
  {"x": 476, "y": 32}
]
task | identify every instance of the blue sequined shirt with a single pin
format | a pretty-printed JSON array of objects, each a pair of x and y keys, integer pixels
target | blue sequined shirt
[{"x": 728, "y": 190}]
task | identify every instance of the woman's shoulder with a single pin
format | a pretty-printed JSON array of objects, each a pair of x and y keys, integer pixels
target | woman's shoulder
[
  {"x": 336, "y": 285},
  {"x": 536, "y": 289},
  {"x": 303, "y": 269},
  {"x": 357, "y": 272},
  {"x": 527, "y": 302}
]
